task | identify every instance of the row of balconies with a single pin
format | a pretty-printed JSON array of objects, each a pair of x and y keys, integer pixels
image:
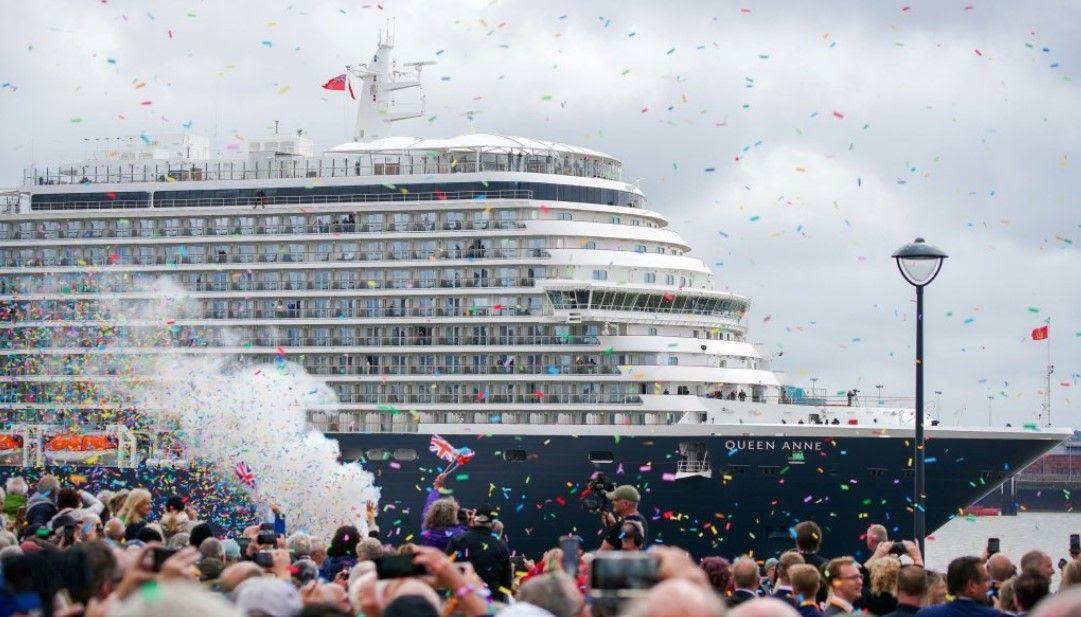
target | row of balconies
[
  {"x": 247, "y": 285},
  {"x": 165, "y": 231},
  {"x": 538, "y": 397},
  {"x": 222, "y": 257},
  {"x": 40, "y": 340},
  {"x": 360, "y": 370}
]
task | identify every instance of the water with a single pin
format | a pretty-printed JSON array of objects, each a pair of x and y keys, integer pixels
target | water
[{"x": 1048, "y": 532}]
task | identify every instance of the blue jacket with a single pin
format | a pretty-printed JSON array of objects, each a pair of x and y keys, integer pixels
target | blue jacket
[{"x": 961, "y": 607}]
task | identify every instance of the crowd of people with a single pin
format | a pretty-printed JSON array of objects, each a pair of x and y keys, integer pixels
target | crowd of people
[{"x": 68, "y": 552}]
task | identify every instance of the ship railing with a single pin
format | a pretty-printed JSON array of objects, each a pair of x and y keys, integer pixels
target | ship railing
[
  {"x": 253, "y": 344},
  {"x": 160, "y": 258},
  {"x": 285, "y": 229},
  {"x": 296, "y": 167},
  {"x": 1048, "y": 478},
  {"x": 692, "y": 466},
  {"x": 491, "y": 398},
  {"x": 460, "y": 370},
  {"x": 329, "y": 370},
  {"x": 905, "y": 402},
  {"x": 243, "y": 285}
]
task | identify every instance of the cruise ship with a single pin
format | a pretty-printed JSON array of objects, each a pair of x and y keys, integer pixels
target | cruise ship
[{"x": 516, "y": 296}]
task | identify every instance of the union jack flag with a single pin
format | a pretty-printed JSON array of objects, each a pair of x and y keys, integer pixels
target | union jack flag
[
  {"x": 245, "y": 474},
  {"x": 442, "y": 448}
]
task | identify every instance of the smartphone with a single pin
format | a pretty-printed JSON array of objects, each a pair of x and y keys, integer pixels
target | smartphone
[
  {"x": 397, "y": 566},
  {"x": 267, "y": 538},
  {"x": 612, "y": 571},
  {"x": 69, "y": 535},
  {"x": 992, "y": 546},
  {"x": 898, "y": 548},
  {"x": 569, "y": 545},
  {"x": 264, "y": 559},
  {"x": 160, "y": 555},
  {"x": 243, "y": 544},
  {"x": 1075, "y": 544}
]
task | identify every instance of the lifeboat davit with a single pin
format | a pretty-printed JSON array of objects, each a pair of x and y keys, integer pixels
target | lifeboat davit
[{"x": 70, "y": 448}]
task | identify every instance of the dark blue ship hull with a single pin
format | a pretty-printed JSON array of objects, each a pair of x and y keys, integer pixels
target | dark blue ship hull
[{"x": 757, "y": 489}]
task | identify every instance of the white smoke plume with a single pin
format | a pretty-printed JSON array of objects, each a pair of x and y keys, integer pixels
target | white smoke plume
[{"x": 225, "y": 412}]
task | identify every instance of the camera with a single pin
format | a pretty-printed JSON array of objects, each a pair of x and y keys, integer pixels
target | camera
[
  {"x": 594, "y": 497},
  {"x": 267, "y": 538},
  {"x": 898, "y": 548}
]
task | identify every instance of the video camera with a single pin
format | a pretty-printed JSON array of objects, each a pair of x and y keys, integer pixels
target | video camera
[{"x": 594, "y": 497}]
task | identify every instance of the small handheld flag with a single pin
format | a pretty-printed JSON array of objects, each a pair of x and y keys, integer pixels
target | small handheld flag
[{"x": 244, "y": 473}]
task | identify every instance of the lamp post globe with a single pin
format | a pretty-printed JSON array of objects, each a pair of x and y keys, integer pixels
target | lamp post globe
[{"x": 919, "y": 263}]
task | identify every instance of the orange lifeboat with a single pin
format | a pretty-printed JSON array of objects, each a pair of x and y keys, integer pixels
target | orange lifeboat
[
  {"x": 9, "y": 444},
  {"x": 72, "y": 448}
]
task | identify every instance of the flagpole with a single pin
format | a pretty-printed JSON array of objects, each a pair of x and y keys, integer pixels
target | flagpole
[{"x": 1050, "y": 369}]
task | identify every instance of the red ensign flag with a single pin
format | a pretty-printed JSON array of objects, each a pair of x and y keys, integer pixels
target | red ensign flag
[
  {"x": 336, "y": 83},
  {"x": 1040, "y": 333}
]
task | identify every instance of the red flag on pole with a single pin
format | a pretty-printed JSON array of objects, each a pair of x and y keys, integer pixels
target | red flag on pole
[
  {"x": 336, "y": 83},
  {"x": 1040, "y": 333}
]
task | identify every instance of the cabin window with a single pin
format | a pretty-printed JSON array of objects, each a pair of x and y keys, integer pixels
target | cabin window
[
  {"x": 601, "y": 456},
  {"x": 514, "y": 456}
]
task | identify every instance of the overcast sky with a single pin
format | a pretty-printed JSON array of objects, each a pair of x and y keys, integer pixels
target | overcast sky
[{"x": 795, "y": 145}]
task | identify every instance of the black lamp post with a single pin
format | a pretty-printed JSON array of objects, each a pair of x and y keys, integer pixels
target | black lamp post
[{"x": 919, "y": 263}]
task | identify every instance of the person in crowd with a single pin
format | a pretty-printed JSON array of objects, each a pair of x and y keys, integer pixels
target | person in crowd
[
  {"x": 680, "y": 597},
  {"x": 845, "y": 585},
  {"x": 782, "y": 586},
  {"x": 1000, "y": 569},
  {"x": 319, "y": 550},
  {"x": 625, "y": 500},
  {"x": 1071, "y": 576},
  {"x": 1029, "y": 588},
  {"x": 879, "y": 598},
  {"x": 72, "y": 506},
  {"x": 15, "y": 498},
  {"x": 41, "y": 506},
  {"x": 488, "y": 554},
  {"x": 1039, "y": 561},
  {"x": 764, "y": 607},
  {"x": 231, "y": 548},
  {"x": 911, "y": 591},
  {"x": 805, "y": 583},
  {"x": 719, "y": 573},
  {"x": 440, "y": 517},
  {"x": 936, "y": 589},
  {"x": 769, "y": 577},
  {"x": 555, "y": 592},
  {"x": 808, "y": 543},
  {"x": 633, "y": 536},
  {"x": 114, "y": 531},
  {"x": 212, "y": 562},
  {"x": 876, "y": 534},
  {"x": 133, "y": 513},
  {"x": 342, "y": 552},
  {"x": 745, "y": 577},
  {"x": 967, "y": 581},
  {"x": 369, "y": 549},
  {"x": 1066, "y": 604},
  {"x": 1006, "y": 600},
  {"x": 299, "y": 546}
]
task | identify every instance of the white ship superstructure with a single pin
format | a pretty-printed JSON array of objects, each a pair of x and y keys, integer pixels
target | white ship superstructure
[{"x": 478, "y": 279}]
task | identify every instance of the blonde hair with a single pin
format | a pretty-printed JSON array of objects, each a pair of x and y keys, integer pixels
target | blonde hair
[
  {"x": 1071, "y": 576},
  {"x": 173, "y": 523},
  {"x": 129, "y": 512},
  {"x": 884, "y": 571}
]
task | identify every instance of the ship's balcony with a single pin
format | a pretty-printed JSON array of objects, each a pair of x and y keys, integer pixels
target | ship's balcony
[
  {"x": 287, "y": 257},
  {"x": 471, "y": 283},
  {"x": 337, "y": 228},
  {"x": 460, "y": 370},
  {"x": 467, "y": 398}
]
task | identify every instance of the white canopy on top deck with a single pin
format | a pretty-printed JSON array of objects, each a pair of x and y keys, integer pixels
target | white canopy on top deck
[{"x": 474, "y": 142}]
